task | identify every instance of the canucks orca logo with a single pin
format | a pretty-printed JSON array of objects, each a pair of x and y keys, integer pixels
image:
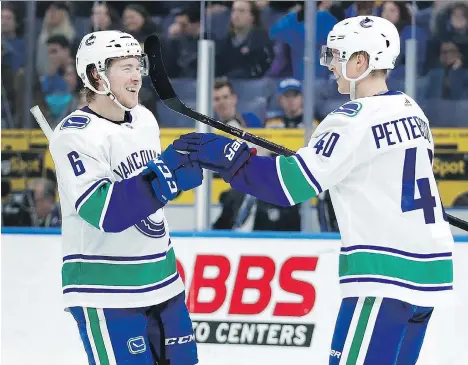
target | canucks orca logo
[
  {"x": 76, "y": 122},
  {"x": 150, "y": 228},
  {"x": 366, "y": 23},
  {"x": 350, "y": 109},
  {"x": 90, "y": 40}
]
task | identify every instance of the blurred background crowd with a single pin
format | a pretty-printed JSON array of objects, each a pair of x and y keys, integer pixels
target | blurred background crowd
[{"x": 259, "y": 69}]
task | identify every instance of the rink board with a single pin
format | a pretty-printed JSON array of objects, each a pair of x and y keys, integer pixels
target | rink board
[{"x": 254, "y": 299}]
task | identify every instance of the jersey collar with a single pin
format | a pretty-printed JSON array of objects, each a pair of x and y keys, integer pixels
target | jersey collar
[
  {"x": 127, "y": 118},
  {"x": 389, "y": 93}
]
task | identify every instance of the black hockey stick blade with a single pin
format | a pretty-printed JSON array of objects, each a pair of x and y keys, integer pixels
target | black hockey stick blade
[
  {"x": 166, "y": 93},
  {"x": 457, "y": 222}
]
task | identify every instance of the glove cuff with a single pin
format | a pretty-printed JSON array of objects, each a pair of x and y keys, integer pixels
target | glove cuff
[
  {"x": 240, "y": 161},
  {"x": 163, "y": 180}
]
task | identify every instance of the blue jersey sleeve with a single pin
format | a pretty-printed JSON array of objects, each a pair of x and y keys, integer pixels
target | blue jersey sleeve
[{"x": 277, "y": 180}]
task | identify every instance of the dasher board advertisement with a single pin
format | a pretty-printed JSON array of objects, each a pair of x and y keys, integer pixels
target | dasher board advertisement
[{"x": 252, "y": 300}]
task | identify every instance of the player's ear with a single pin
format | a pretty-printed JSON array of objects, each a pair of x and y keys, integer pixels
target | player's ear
[
  {"x": 97, "y": 78},
  {"x": 363, "y": 61},
  {"x": 360, "y": 60},
  {"x": 95, "y": 74}
]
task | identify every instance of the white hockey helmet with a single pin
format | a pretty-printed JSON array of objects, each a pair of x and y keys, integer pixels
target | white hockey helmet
[
  {"x": 96, "y": 49},
  {"x": 374, "y": 35}
]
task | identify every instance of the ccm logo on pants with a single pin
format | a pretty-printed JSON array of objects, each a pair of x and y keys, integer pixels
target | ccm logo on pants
[{"x": 180, "y": 340}]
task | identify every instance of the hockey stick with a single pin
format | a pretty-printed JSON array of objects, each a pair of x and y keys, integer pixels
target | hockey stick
[
  {"x": 166, "y": 93},
  {"x": 163, "y": 87},
  {"x": 41, "y": 120}
]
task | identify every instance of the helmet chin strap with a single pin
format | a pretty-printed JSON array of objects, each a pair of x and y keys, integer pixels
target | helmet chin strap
[
  {"x": 352, "y": 88},
  {"x": 107, "y": 91}
]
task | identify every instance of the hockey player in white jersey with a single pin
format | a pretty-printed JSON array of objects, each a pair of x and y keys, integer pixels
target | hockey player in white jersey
[
  {"x": 119, "y": 273},
  {"x": 374, "y": 154}
]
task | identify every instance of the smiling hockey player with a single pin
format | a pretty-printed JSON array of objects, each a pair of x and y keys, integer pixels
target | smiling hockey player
[
  {"x": 119, "y": 273},
  {"x": 374, "y": 154}
]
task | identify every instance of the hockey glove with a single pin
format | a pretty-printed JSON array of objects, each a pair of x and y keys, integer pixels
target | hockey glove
[
  {"x": 172, "y": 172},
  {"x": 214, "y": 152}
]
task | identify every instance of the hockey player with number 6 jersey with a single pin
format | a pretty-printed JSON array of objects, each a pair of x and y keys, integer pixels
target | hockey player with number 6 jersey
[
  {"x": 374, "y": 154},
  {"x": 119, "y": 274}
]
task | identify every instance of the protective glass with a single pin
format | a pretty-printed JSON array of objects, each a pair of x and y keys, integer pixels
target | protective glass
[
  {"x": 144, "y": 64},
  {"x": 328, "y": 54}
]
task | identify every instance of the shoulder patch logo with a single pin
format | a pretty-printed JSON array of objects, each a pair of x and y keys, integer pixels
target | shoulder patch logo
[
  {"x": 76, "y": 122},
  {"x": 350, "y": 109}
]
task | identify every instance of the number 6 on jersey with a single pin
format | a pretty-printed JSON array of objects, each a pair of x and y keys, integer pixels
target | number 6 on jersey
[{"x": 76, "y": 163}]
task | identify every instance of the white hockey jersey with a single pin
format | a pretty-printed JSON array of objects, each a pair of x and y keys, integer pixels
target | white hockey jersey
[
  {"x": 117, "y": 250},
  {"x": 374, "y": 155}
]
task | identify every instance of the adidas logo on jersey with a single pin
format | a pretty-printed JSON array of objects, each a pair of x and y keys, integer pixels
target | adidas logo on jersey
[{"x": 407, "y": 102}]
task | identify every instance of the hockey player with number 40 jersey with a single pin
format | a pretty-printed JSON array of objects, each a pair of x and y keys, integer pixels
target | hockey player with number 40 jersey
[
  {"x": 119, "y": 274},
  {"x": 374, "y": 154}
]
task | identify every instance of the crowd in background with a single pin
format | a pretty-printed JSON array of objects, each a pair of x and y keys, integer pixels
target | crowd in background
[{"x": 258, "y": 63}]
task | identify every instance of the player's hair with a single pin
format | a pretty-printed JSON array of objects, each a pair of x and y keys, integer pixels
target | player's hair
[
  {"x": 223, "y": 82},
  {"x": 373, "y": 72},
  {"x": 89, "y": 94}
]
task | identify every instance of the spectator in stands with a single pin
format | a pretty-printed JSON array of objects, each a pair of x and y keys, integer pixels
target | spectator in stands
[
  {"x": 137, "y": 21},
  {"x": 104, "y": 17},
  {"x": 247, "y": 51},
  {"x": 8, "y": 22},
  {"x": 399, "y": 14},
  {"x": 459, "y": 23},
  {"x": 238, "y": 207},
  {"x": 181, "y": 24},
  {"x": 13, "y": 48},
  {"x": 334, "y": 9},
  {"x": 450, "y": 21},
  {"x": 56, "y": 22},
  {"x": 281, "y": 65},
  {"x": 59, "y": 53},
  {"x": 290, "y": 29},
  {"x": 74, "y": 86},
  {"x": 71, "y": 78},
  {"x": 216, "y": 7},
  {"x": 7, "y": 93},
  {"x": 244, "y": 212},
  {"x": 56, "y": 90},
  {"x": 450, "y": 79},
  {"x": 181, "y": 49},
  {"x": 225, "y": 106},
  {"x": 38, "y": 98},
  {"x": 291, "y": 103},
  {"x": 16, "y": 210},
  {"x": 46, "y": 209},
  {"x": 59, "y": 56}
]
